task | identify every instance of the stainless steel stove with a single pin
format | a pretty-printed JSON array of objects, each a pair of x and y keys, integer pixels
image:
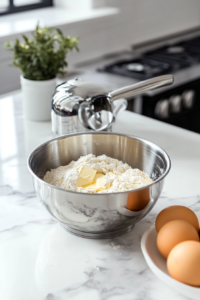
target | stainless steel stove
[{"x": 179, "y": 104}]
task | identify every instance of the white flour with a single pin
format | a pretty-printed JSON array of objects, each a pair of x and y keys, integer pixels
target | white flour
[{"x": 66, "y": 176}]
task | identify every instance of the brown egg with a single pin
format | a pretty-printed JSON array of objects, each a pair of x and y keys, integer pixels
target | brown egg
[
  {"x": 176, "y": 212},
  {"x": 138, "y": 200},
  {"x": 173, "y": 233},
  {"x": 183, "y": 263}
]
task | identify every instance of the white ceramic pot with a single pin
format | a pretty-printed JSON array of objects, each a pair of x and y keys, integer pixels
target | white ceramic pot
[{"x": 37, "y": 97}]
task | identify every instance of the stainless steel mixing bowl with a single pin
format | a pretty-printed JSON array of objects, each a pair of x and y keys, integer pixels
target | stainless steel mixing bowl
[{"x": 97, "y": 215}]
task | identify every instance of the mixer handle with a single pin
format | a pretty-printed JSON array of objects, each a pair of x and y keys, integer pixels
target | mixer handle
[{"x": 141, "y": 87}]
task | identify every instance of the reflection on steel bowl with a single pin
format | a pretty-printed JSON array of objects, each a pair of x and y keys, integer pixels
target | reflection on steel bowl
[{"x": 98, "y": 215}]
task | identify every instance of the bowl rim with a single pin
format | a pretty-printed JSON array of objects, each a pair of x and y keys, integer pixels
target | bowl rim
[{"x": 168, "y": 160}]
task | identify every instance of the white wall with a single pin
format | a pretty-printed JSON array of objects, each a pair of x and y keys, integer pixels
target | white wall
[
  {"x": 144, "y": 20},
  {"x": 157, "y": 18}
]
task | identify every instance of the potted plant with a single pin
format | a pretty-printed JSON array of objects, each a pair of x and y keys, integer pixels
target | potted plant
[{"x": 41, "y": 59}]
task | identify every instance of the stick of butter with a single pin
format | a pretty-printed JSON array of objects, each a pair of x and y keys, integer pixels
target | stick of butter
[
  {"x": 90, "y": 187},
  {"x": 93, "y": 186},
  {"x": 101, "y": 185},
  {"x": 98, "y": 175},
  {"x": 86, "y": 176}
]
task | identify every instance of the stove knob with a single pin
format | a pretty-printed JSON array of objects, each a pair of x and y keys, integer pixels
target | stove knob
[
  {"x": 175, "y": 104},
  {"x": 188, "y": 98},
  {"x": 162, "y": 109}
]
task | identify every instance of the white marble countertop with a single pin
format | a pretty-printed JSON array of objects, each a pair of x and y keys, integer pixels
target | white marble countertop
[{"x": 39, "y": 260}]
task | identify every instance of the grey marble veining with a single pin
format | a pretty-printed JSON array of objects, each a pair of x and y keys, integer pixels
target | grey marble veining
[{"x": 40, "y": 261}]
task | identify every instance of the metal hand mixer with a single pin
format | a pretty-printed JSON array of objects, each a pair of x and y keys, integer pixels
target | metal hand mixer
[{"x": 78, "y": 105}]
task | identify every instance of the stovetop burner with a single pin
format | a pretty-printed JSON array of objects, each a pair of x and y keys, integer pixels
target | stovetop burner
[
  {"x": 175, "y": 49},
  {"x": 142, "y": 68},
  {"x": 158, "y": 62},
  {"x": 135, "y": 67}
]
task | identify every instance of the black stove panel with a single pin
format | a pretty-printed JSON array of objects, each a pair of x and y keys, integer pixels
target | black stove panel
[{"x": 186, "y": 117}]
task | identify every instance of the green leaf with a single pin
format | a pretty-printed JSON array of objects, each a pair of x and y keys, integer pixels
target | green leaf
[{"x": 25, "y": 38}]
